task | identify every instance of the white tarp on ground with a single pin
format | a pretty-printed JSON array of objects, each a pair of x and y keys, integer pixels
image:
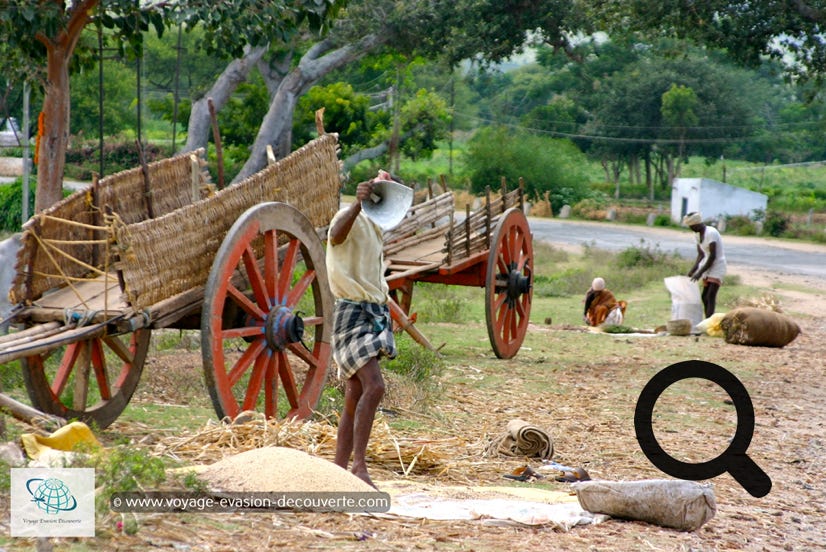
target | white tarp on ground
[{"x": 490, "y": 505}]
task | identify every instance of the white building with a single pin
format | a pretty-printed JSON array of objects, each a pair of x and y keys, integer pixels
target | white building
[{"x": 715, "y": 200}]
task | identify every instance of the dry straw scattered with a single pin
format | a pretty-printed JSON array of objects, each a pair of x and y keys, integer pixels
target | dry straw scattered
[{"x": 219, "y": 440}]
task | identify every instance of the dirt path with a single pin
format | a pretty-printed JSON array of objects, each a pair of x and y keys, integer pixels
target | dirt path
[{"x": 586, "y": 406}]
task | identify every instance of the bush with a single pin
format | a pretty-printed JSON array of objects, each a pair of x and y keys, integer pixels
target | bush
[
  {"x": 546, "y": 164},
  {"x": 414, "y": 362},
  {"x": 11, "y": 205},
  {"x": 776, "y": 223},
  {"x": 662, "y": 220},
  {"x": 740, "y": 225}
]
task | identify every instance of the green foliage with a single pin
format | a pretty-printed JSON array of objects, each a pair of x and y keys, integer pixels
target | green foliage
[
  {"x": 740, "y": 225},
  {"x": 5, "y": 477},
  {"x": 563, "y": 283},
  {"x": 439, "y": 303},
  {"x": 663, "y": 220},
  {"x": 118, "y": 155},
  {"x": 11, "y": 205},
  {"x": 119, "y": 105},
  {"x": 414, "y": 362},
  {"x": 643, "y": 255},
  {"x": 125, "y": 469},
  {"x": 425, "y": 121},
  {"x": 11, "y": 376},
  {"x": 345, "y": 112},
  {"x": 678, "y": 105},
  {"x": 618, "y": 329},
  {"x": 776, "y": 223},
  {"x": 195, "y": 483},
  {"x": 546, "y": 164},
  {"x": 241, "y": 116}
]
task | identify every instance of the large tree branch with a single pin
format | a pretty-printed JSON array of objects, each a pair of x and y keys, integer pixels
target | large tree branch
[
  {"x": 276, "y": 128},
  {"x": 236, "y": 72}
]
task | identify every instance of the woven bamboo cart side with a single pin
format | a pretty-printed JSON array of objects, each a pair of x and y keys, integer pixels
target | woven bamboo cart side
[
  {"x": 169, "y": 255},
  {"x": 69, "y": 241}
]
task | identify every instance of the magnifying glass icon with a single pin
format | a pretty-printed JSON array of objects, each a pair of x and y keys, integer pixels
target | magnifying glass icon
[{"x": 734, "y": 459}]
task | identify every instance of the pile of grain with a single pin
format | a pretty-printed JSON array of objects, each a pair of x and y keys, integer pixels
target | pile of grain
[{"x": 280, "y": 469}]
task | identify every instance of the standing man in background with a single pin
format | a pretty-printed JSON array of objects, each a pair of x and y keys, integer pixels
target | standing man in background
[{"x": 711, "y": 261}]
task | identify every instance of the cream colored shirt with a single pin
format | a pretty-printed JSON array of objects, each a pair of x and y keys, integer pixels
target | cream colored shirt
[{"x": 355, "y": 267}]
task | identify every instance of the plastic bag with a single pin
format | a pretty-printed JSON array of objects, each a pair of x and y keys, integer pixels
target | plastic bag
[
  {"x": 686, "y": 302},
  {"x": 711, "y": 325}
]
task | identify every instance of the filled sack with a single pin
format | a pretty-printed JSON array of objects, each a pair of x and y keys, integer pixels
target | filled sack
[
  {"x": 761, "y": 327},
  {"x": 682, "y": 505}
]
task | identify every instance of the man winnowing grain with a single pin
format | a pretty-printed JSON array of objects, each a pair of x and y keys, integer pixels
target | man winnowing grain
[{"x": 362, "y": 330}]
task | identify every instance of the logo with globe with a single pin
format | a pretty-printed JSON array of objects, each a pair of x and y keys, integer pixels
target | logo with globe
[{"x": 51, "y": 495}]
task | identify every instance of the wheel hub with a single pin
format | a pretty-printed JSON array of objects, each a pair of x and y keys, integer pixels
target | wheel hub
[
  {"x": 282, "y": 328},
  {"x": 518, "y": 284}
]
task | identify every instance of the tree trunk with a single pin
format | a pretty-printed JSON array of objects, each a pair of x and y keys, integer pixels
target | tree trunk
[
  {"x": 51, "y": 153},
  {"x": 276, "y": 128},
  {"x": 274, "y": 70},
  {"x": 54, "y": 135},
  {"x": 236, "y": 72}
]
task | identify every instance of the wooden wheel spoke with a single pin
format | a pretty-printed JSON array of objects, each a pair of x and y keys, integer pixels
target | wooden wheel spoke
[
  {"x": 256, "y": 380},
  {"x": 499, "y": 299},
  {"x": 81, "y": 382},
  {"x": 313, "y": 321},
  {"x": 502, "y": 264},
  {"x": 117, "y": 346},
  {"x": 287, "y": 269},
  {"x": 271, "y": 387},
  {"x": 67, "y": 364},
  {"x": 244, "y": 302},
  {"x": 259, "y": 288},
  {"x": 301, "y": 286},
  {"x": 511, "y": 327},
  {"x": 99, "y": 366},
  {"x": 247, "y": 331},
  {"x": 243, "y": 363},
  {"x": 270, "y": 262},
  {"x": 85, "y": 384},
  {"x": 287, "y": 379},
  {"x": 301, "y": 352}
]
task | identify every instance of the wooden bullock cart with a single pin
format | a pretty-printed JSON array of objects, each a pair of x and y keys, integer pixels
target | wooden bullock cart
[{"x": 156, "y": 247}]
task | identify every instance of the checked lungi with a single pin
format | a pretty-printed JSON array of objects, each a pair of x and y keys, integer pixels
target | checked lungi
[{"x": 361, "y": 331}]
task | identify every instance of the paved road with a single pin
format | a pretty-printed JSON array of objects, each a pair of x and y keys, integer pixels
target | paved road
[{"x": 780, "y": 256}]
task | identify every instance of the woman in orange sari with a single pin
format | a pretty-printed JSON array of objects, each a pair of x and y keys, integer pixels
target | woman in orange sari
[{"x": 601, "y": 307}]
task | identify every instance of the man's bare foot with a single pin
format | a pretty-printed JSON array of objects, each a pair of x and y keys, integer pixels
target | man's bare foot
[{"x": 363, "y": 475}]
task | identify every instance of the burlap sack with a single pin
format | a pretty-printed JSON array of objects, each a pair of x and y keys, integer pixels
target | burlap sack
[
  {"x": 753, "y": 326},
  {"x": 683, "y": 505}
]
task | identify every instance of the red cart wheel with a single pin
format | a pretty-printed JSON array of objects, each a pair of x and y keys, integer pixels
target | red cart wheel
[
  {"x": 267, "y": 287},
  {"x": 90, "y": 380},
  {"x": 509, "y": 283}
]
